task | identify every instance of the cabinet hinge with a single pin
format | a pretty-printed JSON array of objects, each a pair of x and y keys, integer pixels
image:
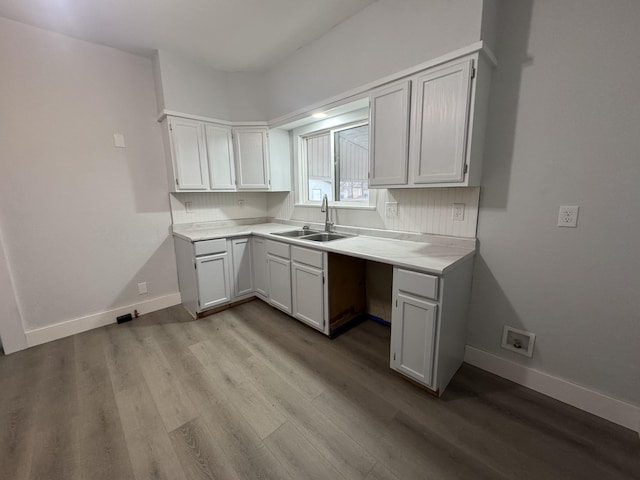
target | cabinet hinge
[
  {"x": 396, "y": 303},
  {"x": 323, "y": 279},
  {"x": 177, "y": 183},
  {"x": 394, "y": 356},
  {"x": 195, "y": 265},
  {"x": 199, "y": 307},
  {"x": 473, "y": 72},
  {"x": 170, "y": 127},
  {"x": 466, "y": 167}
]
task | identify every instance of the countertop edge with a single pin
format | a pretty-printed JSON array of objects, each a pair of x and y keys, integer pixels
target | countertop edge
[{"x": 335, "y": 248}]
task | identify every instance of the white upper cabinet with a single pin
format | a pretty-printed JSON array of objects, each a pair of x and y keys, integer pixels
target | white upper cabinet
[
  {"x": 252, "y": 158},
  {"x": 389, "y": 135},
  {"x": 189, "y": 155},
  {"x": 441, "y": 118},
  {"x": 220, "y": 154},
  {"x": 204, "y": 156},
  {"x": 428, "y": 130}
]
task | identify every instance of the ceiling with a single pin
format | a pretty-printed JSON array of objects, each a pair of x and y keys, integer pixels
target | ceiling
[{"x": 230, "y": 35}]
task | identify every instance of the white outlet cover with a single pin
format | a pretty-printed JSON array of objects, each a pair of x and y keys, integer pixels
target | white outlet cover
[
  {"x": 457, "y": 212},
  {"x": 391, "y": 209},
  {"x": 568, "y": 216},
  {"x": 188, "y": 206},
  {"x": 142, "y": 288}
]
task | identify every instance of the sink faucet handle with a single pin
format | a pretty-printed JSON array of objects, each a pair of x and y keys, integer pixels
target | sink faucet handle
[{"x": 306, "y": 227}]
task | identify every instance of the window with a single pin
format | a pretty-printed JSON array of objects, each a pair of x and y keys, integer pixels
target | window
[{"x": 336, "y": 164}]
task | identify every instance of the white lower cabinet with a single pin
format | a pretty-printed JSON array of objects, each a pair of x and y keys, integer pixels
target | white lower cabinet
[
  {"x": 413, "y": 337},
  {"x": 242, "y": 267},
  {"x": 429, "y": 324},
  {"x": 309, "y": 289},
  {"x": 259, "y": 258},
  {"x": 203, "y": 274},
  {"x": 279, "y": 275},
  {"x": 213, "y": 284}
]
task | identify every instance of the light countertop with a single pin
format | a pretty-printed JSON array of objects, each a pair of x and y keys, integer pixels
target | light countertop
[{"x": 422, "y": 256}]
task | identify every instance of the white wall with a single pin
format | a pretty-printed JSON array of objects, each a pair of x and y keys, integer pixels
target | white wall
[
  {"x": 82, "y": 221},
  {"x": 565, "y": 112},
  {"x": 11, "y": 328},
  {"x": 247, "y": 96},
  {"x": 191, "y": 87},
  {"x": 384, "y": 38}
]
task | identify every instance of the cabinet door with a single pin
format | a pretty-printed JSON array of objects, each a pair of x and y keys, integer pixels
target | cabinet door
[
  {"x": 389, "y": 135},
  {"x": 189, "y": 154},
  {"x": 441, "y": 121},
  {"x": 308, "y": 295},
  {"x": 252, "y": 158},
  {"x": 259, "y": 267},
  {"x": 213, "y": 281},
  {"x": 242, "y": 267},
  {"x": 413, "y": 334},
  {"x": 279, "y": 271},
  {"x": 220, "y": 154}
]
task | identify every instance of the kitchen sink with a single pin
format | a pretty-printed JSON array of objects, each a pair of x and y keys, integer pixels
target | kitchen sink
[
  {"x": 296, "y": 233},
  {"x": 324, "y": 237}
]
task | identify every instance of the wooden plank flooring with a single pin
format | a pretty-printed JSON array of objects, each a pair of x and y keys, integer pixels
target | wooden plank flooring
[{"x": 250, "y": 393}]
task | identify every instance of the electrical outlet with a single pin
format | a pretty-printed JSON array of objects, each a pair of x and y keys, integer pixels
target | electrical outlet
[
  {"x": 568, "y": 216},
  {"x": 188, "y": 206},
  {"x": 518, "y": 341},
  {"x": 391, "y": 209},
  {"x": 241, "y": 203},
  {"x": 142, "y": 288},
  {"x": 457, "y": 212}
]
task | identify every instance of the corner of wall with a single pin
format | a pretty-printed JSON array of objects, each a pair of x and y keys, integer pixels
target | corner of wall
[{"x": 157, "y": 80}]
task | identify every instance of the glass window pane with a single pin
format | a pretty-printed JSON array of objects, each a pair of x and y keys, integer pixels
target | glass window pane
[
  {"x": 352, "y": 163},
  {"x": 319, "y": 167}
]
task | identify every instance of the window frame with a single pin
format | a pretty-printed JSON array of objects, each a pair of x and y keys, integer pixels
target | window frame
[{"x": 331, "y": 125}]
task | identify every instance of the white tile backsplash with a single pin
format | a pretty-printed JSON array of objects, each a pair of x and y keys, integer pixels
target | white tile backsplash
[
  {"x": 422, "y": 210},
  {"x": 212, "y": 207}
]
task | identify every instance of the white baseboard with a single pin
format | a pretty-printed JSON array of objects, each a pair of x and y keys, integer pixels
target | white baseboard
[
  {"x": 82, "y": 324},
  {"x": 609, "y": 408}
]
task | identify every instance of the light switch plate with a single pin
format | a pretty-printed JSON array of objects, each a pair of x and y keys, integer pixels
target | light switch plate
[
  {"x": 118, "y": 139},
  {"x": 568, "y": 216}
]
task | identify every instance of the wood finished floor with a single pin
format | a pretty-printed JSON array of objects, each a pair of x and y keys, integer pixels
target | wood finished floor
[{"x": 250, "y": 393}]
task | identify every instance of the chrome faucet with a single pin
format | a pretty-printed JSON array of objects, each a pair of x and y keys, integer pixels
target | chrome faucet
[{"x": 324, "y": 208}]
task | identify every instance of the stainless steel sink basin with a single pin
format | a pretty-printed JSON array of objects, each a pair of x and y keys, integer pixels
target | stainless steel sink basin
[
  {"x": 296, "y": 233},
  {"x": 324, "y": 237}
]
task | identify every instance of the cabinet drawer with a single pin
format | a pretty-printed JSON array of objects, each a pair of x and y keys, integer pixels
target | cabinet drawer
[
  {"x": 307, "y": 256},
  {"x": 416, "y": 283},
  {"x": 278, "y": 249},
  {"x": 208, "y": 247}
]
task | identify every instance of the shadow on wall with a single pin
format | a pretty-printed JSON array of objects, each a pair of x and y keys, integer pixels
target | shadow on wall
[
  {"x": 512, "y": 46},
  {"x": 144, "y": 157},
  {"x": 129, "y": 294},
  {"x": 488, "y": 299}
]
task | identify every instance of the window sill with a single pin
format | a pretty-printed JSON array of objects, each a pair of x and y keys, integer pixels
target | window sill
[{"x": 338, "y": 206}]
